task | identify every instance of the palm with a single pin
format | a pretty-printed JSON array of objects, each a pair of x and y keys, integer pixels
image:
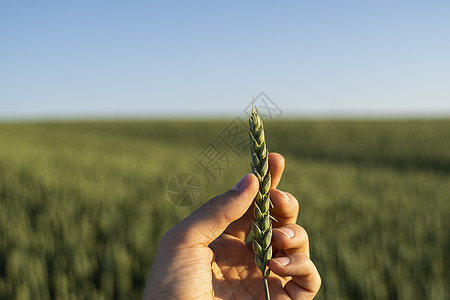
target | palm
[{"x": 234, "y": 273}]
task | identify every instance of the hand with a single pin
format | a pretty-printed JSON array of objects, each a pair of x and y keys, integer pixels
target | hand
[{"x": 205, "y": 255}]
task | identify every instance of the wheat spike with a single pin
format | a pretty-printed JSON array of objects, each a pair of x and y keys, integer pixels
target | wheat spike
[{"x": 262, "y": 226}]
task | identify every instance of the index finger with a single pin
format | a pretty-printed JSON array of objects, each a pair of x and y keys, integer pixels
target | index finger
[{"x": 276, "y": 168}]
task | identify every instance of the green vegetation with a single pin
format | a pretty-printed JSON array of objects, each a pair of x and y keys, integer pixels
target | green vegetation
[{"x": 84, "y": 204}]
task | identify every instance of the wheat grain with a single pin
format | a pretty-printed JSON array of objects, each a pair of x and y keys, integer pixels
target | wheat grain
[{"x": 262, "y": 226}]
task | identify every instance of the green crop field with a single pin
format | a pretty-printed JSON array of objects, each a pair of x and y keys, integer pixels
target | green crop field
[{"x": 84, "y": 204}]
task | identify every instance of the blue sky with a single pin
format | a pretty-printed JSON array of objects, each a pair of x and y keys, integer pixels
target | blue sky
[{"x": 202, "y": 58}]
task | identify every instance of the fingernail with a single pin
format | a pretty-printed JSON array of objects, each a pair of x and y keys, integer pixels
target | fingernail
[
  {"x": 287, "y": 231},
  {"x": 243, "y": 183},
  {"x": 282, "y": 261}
]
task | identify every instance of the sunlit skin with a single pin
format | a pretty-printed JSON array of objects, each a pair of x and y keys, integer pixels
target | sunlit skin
[{"x": 205, "y": 256}]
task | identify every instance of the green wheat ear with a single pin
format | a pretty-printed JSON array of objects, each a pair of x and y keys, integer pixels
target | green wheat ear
[{"x": 262, "y": 226}]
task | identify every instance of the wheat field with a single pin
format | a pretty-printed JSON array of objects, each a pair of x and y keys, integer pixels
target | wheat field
[{"x": 83, "y": 204}]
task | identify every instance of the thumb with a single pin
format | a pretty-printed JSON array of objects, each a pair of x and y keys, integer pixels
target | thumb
[{"x": 210, "y": 220}]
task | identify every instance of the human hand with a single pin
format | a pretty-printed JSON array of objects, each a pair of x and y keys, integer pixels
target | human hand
[{"x": 205, "y": 255}]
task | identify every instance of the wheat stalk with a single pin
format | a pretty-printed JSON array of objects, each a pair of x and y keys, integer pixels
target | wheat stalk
[{"x": 262, "y": 226}]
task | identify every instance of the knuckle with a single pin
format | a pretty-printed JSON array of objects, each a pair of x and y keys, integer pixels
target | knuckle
[
  {"x": 293, "y": 201},
  {"x": 301, "y": 233},
  {"x": 300, "y": 259},
  {"x": 172, "y": 236},
  {"x": 318, "y": 282}
]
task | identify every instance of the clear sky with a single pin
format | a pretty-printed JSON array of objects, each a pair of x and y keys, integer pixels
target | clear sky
[{"x": 148, "y": 58}]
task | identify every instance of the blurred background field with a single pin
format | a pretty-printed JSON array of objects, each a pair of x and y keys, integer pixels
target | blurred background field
[{"x": 84, "y": 204}]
